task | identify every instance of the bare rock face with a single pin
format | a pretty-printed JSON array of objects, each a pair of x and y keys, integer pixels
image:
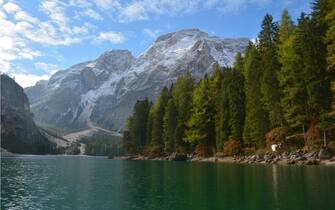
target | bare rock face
[
  {"x": 103, "y": 92},
  {"x": 19, "y": 134}
]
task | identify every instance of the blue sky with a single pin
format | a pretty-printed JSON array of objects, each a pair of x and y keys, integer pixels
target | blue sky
[{"x": 39, "y": 37}]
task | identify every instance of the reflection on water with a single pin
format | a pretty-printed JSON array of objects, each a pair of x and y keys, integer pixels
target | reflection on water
[{"x": 60, "y": 182}]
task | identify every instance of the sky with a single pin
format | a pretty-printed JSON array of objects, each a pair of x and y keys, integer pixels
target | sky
[{"x": 40, "y": 37}]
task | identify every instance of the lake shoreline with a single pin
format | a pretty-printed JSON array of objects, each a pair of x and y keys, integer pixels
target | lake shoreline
[{"x": 293, "y": 158}]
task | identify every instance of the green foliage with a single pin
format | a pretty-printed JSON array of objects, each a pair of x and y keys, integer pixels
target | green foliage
[
  {"x": 256, "y": 123},
  {"x": 236, "y": 104},
  {"x": 149, "y": 126},
  {"x": 310, "y": 46},
  {"x": 137, "y": 126},
  {"x": 294, "y": 94},
  {"x": 102, "y": 145},
  {"x": 230, "y": 115},
  {"x": 282, "y": 82},
  {"x": 330, "y": 36},
  {"x": 238, "y": 65},
  {"x": 128, "y": 147},
  {"x": 201, "y": 122},
  {"x": 158, "y": 114},
  {"x": 169, "y": 126},
  {"x": 182, "y": 95},
  {"x": 269, "y": 66}
]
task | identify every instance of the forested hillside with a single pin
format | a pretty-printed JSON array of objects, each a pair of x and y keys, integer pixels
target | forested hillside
[{"x": 280, "y": 90}]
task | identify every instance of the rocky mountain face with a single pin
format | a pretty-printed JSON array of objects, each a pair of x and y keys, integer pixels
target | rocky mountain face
[
  {"x": 102, "y": 92},
  {"x": 19, "y": 134}
]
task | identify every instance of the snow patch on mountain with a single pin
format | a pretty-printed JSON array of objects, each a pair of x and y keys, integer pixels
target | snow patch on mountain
[{"x": 104, "y": 91}]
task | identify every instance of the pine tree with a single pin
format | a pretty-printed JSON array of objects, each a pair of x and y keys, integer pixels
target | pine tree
[
  {"x": 149, "y": 126},
  {"x": 215, "y": 86},
  {"x": 128, "y": 145},
  {"x": 320, "y": 101},
  {"x": 270, "y": 66},
  {"x": 201, "y": 123},
  {"x": 294, "y": 94},
  {"x": 286, "y": 28},
  {"x": 222, "y": 126},
  {"x": 169, "y": 126},
  {"x": 313, "y": 50},
  {"x": 330, "y": 36},
  {"x": 256, "y": 123},
  {"x": 182, "y": 95},
  {"x": 236, "y": 104},
  {"x": 138, "y": 124},
  {"x": 215, "y": 100},
  {"x": 157, "y": 123},
  {"x": 238, "y": 65},
  {"x": 330, "y": 41}
]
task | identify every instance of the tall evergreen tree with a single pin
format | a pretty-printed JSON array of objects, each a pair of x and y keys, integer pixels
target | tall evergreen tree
[
  {"x": 256, "y": 123},
  {"x": 286, "y": 28},
  {"x": 201, "y": 122},
  {"x": 128, "y": 143},
  {"x": 230, "y": 118},
  {"x": 215, "y": 85},
  {"x": 215, "y": 98},
  {"x": 294, "y": 94},
  {"x": 238, "y": 65},
  {"x": 270, "y": 66},
  {"x": 320, "y": 102},
  {"x": 157, "y": 123},
  {"x": 139, "y": 123},
  {"x": 236, "y": 104},
  {"x": 149, "y": 125},
  {"x": 182, "y": 95},
  {"x": 222, "y": 126},
  {"x": 311, "y": 46},
  {"x": 330, "y": 41},
  {"x": 330, "y": 36},
  {"x": 169, "y": 126}
]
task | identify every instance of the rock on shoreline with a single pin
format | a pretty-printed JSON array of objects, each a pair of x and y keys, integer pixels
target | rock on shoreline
[{"x": 298, "y": 157}]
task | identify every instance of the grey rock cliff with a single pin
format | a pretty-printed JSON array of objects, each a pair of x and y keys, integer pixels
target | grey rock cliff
[{"x": 19, "y": 134}]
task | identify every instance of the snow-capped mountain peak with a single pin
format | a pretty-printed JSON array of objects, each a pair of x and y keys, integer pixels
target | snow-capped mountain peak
[{"x": 104, "y": 91}]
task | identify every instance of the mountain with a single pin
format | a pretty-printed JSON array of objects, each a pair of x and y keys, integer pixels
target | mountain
[
  {"x": 101, "y": 93},
  {"x": 19, "y": 134}
]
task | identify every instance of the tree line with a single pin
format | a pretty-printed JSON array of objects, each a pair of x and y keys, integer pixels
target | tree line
[{"x": 284, "y": 80}]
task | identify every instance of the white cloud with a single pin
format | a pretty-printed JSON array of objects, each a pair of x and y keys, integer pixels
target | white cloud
[
  {"x": 4, "y": 66},
  {"x": 18, "y": 30},
  {"x": 11, "y": 7},
  {"x": 139, "y": 10},
  {"x": 26, "y": 80},
  {"x": 144, "y": 9},
  {"x": 80, "y": 3},
  {"x": 93, "y": 14},
  {"x": 55, "y": 10},
  {"x": 21, "y": 32},
  {"x": 113, "y": 37},
  {"x": 108, "y": 4},
  {"x": 47, "y": 68},
  {"x": 135, "y": 11},
  {"x": 152, "y": 33}
]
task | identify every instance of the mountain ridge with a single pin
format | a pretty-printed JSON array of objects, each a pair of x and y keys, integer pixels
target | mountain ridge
[{"x": 103, "y": 91}]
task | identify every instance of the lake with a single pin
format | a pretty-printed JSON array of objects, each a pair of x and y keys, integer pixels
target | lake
[{"x": 96, "y": 183}]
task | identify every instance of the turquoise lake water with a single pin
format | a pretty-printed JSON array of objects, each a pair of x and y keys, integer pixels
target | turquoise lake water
[{"x": 90, "y": 183}]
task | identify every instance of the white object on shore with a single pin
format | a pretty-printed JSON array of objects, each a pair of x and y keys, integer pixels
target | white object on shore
[{"x": 274, "y": 147}]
